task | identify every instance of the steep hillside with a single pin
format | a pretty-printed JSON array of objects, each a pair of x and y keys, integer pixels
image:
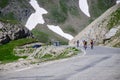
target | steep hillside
[
  {"x": 67, "y": 14},
  {"x": 64, "y": 13},
  {"x": 43, "y": 34},
  {"x": 104, "y": 30},
  {"x": 17, "y": 10},
  {"x": 97, "y": 7}
]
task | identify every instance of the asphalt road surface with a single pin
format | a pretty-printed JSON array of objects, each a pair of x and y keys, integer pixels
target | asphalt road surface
[{"x": 101, "y": 63}]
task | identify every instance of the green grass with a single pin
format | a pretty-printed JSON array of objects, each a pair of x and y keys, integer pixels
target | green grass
[
  {"x": 114, "y": 20},
  {"x": 57, "y": 12},
  {"x": 22, "y": 3},
  {"x": 44, "y": 1},
  {"x": 74, "y": 49},
  {"x": 64, "y": 54},
  {"x": 9, "y": 18},
  {"x": 40, "y": 35},
  {"x": 117, "y": 35},
  {"x": 3, "y": 3},
  {"x": 117, "y": 45},
  {"x": 45, "y": 35},
  {"x": 70, "y": 29},
  {"x": 57, "y": 15},
  {"x": 63, "y": 6},
  {"x": 91, "y": 20},
  {"x": 100, "y": 6},
  {"x": 105, "y": 4},
  {"x": 6, "y": 50},
  {"x": 47, "y": 56},
  {"x": 73, "y": 10}
]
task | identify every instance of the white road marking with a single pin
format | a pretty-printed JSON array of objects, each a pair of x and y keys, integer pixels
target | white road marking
[{"x": 23, "y": 69}]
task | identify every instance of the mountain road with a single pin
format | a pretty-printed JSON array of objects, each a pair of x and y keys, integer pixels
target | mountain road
[{"x": 101, "y": 63}]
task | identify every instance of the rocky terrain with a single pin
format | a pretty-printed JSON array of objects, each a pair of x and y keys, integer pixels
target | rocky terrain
[
  {"x": 37, "y": 55},
  {"x": 45, "y": 52},
  {"x": 104, "y": 30},
  {"x": 13, "y": 16},
  {"x": 19, "y": 9},
  {"x": 10, "y": 32}
]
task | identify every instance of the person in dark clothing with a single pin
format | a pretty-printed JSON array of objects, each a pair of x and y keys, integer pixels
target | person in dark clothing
[
  {"x": 91, "y": 44},
  {"x": 78, "y": 43},
  {"x": 85, "y": 44}
]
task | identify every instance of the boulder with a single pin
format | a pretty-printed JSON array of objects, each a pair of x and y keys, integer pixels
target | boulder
[{"x": 10, "y": 32}]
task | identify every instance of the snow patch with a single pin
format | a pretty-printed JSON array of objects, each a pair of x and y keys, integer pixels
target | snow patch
[
  {"x": 36, "y": 17},
  {"x": 84, "y": 7},
  {"x": 59, "y": 31},
  {"x": 118, "y": 1}
]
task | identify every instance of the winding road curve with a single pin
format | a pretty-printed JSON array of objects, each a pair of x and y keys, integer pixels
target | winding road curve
[{"x": 101, "y": 63}]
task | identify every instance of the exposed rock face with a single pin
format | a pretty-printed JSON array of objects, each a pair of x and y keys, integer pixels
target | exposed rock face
[
  {"x": 21, "y": 9},
  {"x": 114, "y": 41},
  {"x": 12, "y": 32},
  {"x": 12, "y": 13},
  {"x": 101, "y": 29}
]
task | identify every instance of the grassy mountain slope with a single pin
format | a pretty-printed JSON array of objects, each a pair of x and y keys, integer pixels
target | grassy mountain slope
[
  {"x": 97, "y": 7},
  {"x": 64, "y": 13},
  {"x": 43, "y": 34},
  {"x": 6, "y": 51},
  {"x": 67, "y": 14}
]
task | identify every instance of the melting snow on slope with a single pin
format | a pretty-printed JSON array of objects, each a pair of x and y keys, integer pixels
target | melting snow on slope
[
  {"x": 84, "y": 7},
  {"x": 36, "y": 17},
  {"x": 59, "y": 31}
]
